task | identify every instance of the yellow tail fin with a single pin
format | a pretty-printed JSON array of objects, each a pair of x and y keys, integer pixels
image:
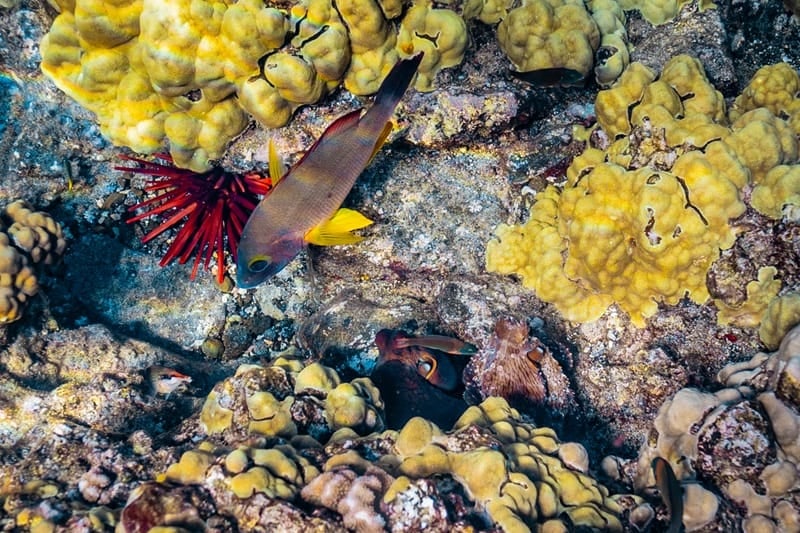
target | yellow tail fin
[{"x": 337, "y": 229}]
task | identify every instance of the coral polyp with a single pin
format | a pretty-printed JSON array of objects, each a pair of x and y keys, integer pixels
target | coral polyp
[{"x": 209, "y": 209}]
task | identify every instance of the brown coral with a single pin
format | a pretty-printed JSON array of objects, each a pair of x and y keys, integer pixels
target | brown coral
[
  {"x": 35, "y": 233},
  {"x": 17, "y": 281},
  {"x": 32, "y": 238}
]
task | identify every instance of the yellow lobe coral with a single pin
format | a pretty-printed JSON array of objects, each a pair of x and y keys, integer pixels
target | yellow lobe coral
[
  {"x": 759, "y": 295},
  {"x": 191, "y": 469},
  {"x": 259, "y": 479},
  {"x": 761, "y": 141},
  {"x": 202, "y": 132},
  {"x": 782, "y": 314},
  {"x": 439, "y": 33},
  {"x": 775, "y": 87},
  {"x": 316, "y": 376},
  {"x": 354, "y": 404},
  {"x": 249, "y": 29},
  {"x": 269, "y": 416},
  {"x": 778, "y": 194},
  {"x": 33, "y": 238},
  {"x": 506, "y": 470},
  {"x": 214, "y": 417},
  {"x": 612, "y": 105},
  {"x": 655, "y": 207},
  {"x": 107, "y": 23},
  {"x": 612, "y": 56},
  {"x": 630, "y": 238},
  {"x": 688, "y": 77},
  {"x": 544, "y": 34},
  {"x": 372, "y": 43},
  {"x": 190, "y": 72}
]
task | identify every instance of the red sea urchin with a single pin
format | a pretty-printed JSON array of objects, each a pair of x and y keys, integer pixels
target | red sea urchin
[{"x": 211, "y": 209}]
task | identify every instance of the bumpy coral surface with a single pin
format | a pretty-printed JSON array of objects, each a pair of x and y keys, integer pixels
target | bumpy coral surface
[
  {"x": 493, "y": 469},
  {"x": 541, "y": 34},
  {"x": 191, "y": 73},
  {"x": 285, "y": 399},
  {"x": 737, "y": 450},
  {"x": 31, "y": 240},
  {"x": 520, "y": 476},
  {"x": 640, "y": 220}
]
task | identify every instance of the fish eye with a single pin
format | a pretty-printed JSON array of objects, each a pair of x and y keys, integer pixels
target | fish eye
[{"x": 258, "y": 263}]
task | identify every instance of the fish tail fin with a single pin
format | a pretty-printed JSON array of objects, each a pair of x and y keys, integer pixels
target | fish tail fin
[{"x": 391, "y": 91}]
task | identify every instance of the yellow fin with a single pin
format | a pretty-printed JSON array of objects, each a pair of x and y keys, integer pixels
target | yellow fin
[
  {"x": 275, "y": 164},
  {"x": 336, "y": 230},
  {"x": 387, "y": 129}
]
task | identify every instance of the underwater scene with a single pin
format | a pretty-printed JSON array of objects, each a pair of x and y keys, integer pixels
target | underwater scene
[{"x": 399, "y": 266}]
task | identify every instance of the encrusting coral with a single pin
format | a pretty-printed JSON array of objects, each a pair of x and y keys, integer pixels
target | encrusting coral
[
  {"x": 493, "y": 466},
  {"x": 191, "y": 73},
  {"x": 541, "y": 35},
  {"x": 29, "y": 240},
  {"x": 640, "y": 220},
  {"x": 736, "y": 451}
]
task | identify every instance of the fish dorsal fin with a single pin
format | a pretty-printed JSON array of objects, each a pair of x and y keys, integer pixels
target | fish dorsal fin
[
  {"x": 276, "y": 170},
  {"x": 338, "y": 228},
  {"x": 348, "y": 120},
  {"x": 387, "y": 129}
]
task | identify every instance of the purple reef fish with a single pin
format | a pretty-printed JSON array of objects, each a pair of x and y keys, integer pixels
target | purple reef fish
[{"x": 304, "y": 206}]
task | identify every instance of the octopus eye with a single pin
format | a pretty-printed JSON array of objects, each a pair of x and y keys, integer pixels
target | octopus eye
[
  {"x": 258, "y": 263},
  {"x": 426, "y": 367}
]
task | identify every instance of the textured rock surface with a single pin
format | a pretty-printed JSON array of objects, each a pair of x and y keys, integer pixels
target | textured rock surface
[{"x": 80, "y": 427}]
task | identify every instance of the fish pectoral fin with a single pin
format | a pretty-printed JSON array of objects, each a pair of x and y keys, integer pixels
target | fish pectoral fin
[
  {"x": 276, "y": 170},
  {"x": 337, "y": 229},
  {"x": 387, "y": 129}
]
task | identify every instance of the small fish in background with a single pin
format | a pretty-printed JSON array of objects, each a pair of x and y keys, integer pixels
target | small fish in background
[
  {"x": 165, "y": 380},
  {"x": 551, "y": 77},
  {"x": 304, "y": 206},
  {"x": 671, "y": 493},
  {"x": 420, "y": 376}
]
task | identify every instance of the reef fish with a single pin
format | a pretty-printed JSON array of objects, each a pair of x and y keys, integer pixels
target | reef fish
[
  {"x": 164, "y": 380},
  {"x": 302, "y": 208},
  {"x": 671, "y": 493}
]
